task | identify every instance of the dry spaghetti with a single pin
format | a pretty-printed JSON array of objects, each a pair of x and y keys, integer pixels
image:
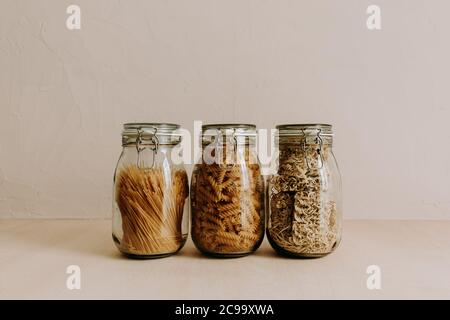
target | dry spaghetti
[{"x": 151, "y": 206}]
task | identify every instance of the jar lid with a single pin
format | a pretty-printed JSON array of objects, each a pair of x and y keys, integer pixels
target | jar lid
[
  {"x": 307, "y": 128},
  {"x": 160, "y": 128},
  {"x": 238, "y": 129}
]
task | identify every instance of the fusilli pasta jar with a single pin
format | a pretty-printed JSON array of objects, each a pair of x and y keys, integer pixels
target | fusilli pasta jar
[
  {"x": 227, "y": 192},
  {"x": 304, "y": 194},
  {"x": 150, "y": 198}
]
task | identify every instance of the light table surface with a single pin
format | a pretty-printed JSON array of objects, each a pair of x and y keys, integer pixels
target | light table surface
[{"x": 413, "y": 257}]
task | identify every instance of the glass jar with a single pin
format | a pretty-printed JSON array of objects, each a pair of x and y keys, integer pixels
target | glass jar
[
  {"x": 304, "y": 193},
  {"x": 150, "y": 211},
  {"x": 227, "y": 192}
]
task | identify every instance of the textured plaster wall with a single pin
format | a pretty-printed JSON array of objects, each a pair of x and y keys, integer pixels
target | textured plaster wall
[{"x": 64, "y": 94}]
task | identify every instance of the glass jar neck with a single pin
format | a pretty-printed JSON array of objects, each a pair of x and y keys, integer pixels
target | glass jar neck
[
  {"x": 300, "y": 140},
  {"x": 229, "y": 152},
  {"x": 229, "y": 142}
]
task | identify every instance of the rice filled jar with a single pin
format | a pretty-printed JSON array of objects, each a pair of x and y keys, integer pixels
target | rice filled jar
[
  {"x": 304, "y": 193},
  {"x": 227, "y": 192},
  {"x": 150, "y": 198}
]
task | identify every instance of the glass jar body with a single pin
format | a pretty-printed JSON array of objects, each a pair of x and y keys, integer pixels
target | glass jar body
[
  {"x": 150, "y": 203},
  {"x": 304, "y": 198},
  {"x": 227, "y": 202}
]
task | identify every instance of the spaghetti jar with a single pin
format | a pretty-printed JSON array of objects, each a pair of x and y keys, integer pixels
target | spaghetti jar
[
  {"x": 227, "y": 192},
  {"x": 304, "y": 193},
  {"x": 150, "y": 207}
]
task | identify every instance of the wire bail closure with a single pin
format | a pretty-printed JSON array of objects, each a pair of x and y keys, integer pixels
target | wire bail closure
[
  {"x": 318, "y": 141},
  {"x": 219, "y": 141},
  {"x": 235, "y": 141},
  {"x": 141, "y": 147},
  {"x": 219, "y": 137}
]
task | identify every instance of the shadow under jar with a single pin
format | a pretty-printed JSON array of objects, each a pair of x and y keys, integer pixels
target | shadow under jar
[
  {"x": 150, "y": 207},
  {"x": 227, "y": 192},
  {"x": 304, "y": 194}
]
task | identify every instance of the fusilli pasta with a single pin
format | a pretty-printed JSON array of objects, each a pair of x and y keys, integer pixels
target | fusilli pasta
[{"x": 227, "y": 207}]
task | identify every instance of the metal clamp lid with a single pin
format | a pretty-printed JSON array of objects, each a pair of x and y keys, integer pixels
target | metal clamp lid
[
  {"x": 149, "y": 135},
  {"x": 296, "y": 129},
  {"x": 319, "y": 141},
  {"x": 304, "y": 130},
  {"x": 233, "y": 131},
  {"x": 140, "y": 147}
]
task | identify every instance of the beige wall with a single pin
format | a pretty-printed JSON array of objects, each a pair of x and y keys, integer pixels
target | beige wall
[{"x": 64, "y": 94}]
